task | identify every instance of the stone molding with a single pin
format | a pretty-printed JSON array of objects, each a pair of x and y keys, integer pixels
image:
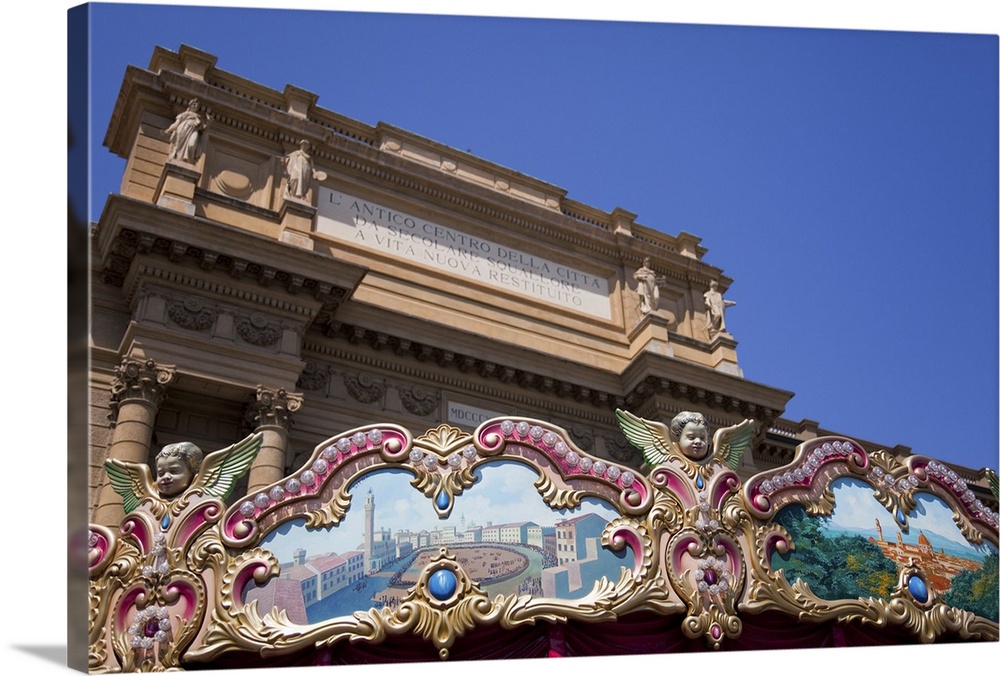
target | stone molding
[
  {"x": 129, "y": 243},
  {"x": 545, "y": 384}
]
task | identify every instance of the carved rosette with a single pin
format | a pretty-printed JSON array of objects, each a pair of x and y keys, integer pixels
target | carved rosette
[
  {"x": 192, "y": 314},
  {"x": 315, "y": 377},
  {"x": 365, "y": 387},
  {"x": 139, "y": 381},
  {"x": 272, "y": 408},
  {"x": 583, "y": 436},
  {"x": 258, "y": 330},
  {"x": 419, "y": 400},
  {"x": 621, "y": 450}
]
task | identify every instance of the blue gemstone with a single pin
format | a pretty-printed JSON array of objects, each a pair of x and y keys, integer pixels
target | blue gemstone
[
  {"x": 442, "y": 584},
  {"x": 165, "y": 522},
  {"x": 917, "y": 588},
  {"x": 442, "y": 500},
  {"x": 900, "y": 517},
  {"x": 699, "y": 483}
]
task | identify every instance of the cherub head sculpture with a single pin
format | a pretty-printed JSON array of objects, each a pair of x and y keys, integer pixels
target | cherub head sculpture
[
  {"x": 687, "y": 440},
  {"x": 176, "y": 466},
  {"x": 689, "y": 430}
]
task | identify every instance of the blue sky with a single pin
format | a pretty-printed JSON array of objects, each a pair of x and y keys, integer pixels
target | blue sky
[{"x": 846, "y": 180}]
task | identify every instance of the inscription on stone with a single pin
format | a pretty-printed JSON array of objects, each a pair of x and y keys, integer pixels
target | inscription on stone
[
  {"x": 469, "y": 416},
  {"x": 375, "y": 227}
]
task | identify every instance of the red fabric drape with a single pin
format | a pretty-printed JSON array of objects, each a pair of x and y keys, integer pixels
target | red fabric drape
[{"x": 633, "y": 634}]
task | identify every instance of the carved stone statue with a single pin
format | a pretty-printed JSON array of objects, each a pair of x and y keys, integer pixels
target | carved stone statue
[
  {"x": 716, "y": 307},
  {"x": 185, "y": 133},
  {"x": 300, "y": 171},
  {"x": 648, "y": 287}
]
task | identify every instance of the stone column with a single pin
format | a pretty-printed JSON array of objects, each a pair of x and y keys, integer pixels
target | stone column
[
  {"x": 270, "y": 412},
  {"x": 138, "y": 389}
]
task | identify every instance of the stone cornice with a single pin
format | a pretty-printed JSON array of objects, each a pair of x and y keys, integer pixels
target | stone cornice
[
  {"x": 466, "y": 372},
  {"x": 129, "y": 228},
  {"x": 705, "y": 386}
]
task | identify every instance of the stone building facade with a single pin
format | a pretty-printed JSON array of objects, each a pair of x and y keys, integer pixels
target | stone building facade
[{"x": 272, "y": 265}]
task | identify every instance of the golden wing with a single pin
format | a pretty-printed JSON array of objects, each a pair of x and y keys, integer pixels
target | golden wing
[
  {"x": 221, "y": 470},
  {"x": 649, "y": 436},
  {"x": 132, "y": 481},
  {"x": 732, "y": 442}
]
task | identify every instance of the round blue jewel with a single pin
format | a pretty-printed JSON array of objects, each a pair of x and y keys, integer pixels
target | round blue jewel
[
  {"x": 442, "y": 584},
  {"x": 917, "y": 588}
]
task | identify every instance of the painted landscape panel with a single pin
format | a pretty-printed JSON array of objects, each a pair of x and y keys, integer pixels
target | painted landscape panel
[
  {"x": 500, "y": 531},
  {"x": 859, "y": 549}
]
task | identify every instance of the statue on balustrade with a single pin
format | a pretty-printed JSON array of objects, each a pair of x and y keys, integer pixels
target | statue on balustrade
[{"x": 185, "y": 134}]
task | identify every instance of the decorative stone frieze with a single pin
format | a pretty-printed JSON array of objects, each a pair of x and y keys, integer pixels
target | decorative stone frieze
[
  {"x": 419, "y": 400},
  {"x": 621, "y": 450},
  {"x": 257, "y": 330},
  {"x": 139, "y": 380},
  {"x": 583, "y": 436},
  {"x": 269, "y": 407},
  {"x": 314, "y": 377},
  {"x": 192, "y": 314},
  {"x": 365, "y": 387}
]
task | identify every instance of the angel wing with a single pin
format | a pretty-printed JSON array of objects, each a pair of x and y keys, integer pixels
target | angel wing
[
  {"x": 732, "y": 442},
  {"x": 221, "y": 470},
  {"x": 991, "y": 479},
  {"x": 132, "y": 481},
  {"x": 651, "y": 437}
]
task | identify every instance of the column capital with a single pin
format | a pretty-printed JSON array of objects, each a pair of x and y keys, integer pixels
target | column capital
[
  {"x": 140, "y": 380},
  {"x": 268, "y": 407}
]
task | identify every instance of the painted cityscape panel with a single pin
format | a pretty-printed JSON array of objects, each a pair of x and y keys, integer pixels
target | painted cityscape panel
[
  {"x": 859, "y": 549},
  {"x": 375, "y": 554}
]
